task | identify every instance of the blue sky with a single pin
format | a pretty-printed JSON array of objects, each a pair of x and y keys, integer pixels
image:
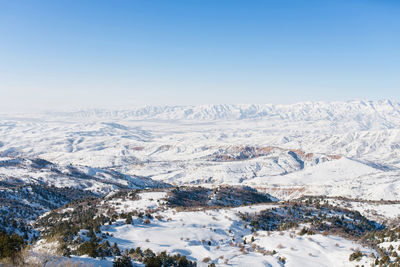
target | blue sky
[{"x": 77, "y": 54}]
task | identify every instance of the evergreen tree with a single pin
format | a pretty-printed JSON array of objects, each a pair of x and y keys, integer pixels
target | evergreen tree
[
  {"x": 124, "y": 261},
  {"x": 116, "y": 250}
]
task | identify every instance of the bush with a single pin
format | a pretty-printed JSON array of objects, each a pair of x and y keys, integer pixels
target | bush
[
  {"x": 206, "y": 259},
  {"x": 385, "y": 260},
  {"x": 355, "y": 256}
]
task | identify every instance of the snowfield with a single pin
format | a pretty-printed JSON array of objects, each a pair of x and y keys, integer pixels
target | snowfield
[
  {"x": 188, "y": 233},
  {"x": 316, "y": 250},
  {"x": 146, "y": 201}
]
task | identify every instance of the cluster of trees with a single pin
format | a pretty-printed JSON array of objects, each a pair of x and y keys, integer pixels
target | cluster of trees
[
  {"x": 327, "y": 219},
  {"x": 95, "y": 249},
  {"x": 322, "y": 218},
  {"x": 10, "y": 246},
  {"x": 307, "y": 231},
  {"x": 25, "y": 202},
  {"x": 82, "y": 215},
  {"x": 222, "y": 196},
  {"x": 364, "y": 231},
  {"x": 151, "y": 259},
  {"x": 65, "y": 225},
  {"x": 124, "y": 261},
  {"x": 92, "y": 213},
  {"x": 100, "y": 248},
  {"x": 88, "y": 214},
  {"x": 387, "y": 256}
]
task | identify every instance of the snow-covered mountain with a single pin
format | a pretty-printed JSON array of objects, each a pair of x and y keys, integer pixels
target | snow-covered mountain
[
  {"x": 66, "y": 178},
  {"x": 368, "y": 114},
  {"x": 302, "y": 146},
  {"x": 31, "y": 187},
  {"x": 98, "y": 181}
]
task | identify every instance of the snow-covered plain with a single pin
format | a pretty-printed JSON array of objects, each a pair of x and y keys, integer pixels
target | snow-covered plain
[{"x": 347, "y": 149}]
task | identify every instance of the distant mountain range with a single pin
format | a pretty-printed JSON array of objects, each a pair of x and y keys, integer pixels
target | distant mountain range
[{"x": 369, "y": 113}]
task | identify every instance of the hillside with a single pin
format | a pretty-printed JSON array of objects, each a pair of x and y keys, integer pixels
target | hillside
[
  {"x": 31, "y": 187},
  {"x": 145, "y": 224}
]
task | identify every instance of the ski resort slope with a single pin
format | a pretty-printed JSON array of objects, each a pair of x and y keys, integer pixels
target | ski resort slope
[{"x": 340, "y": 148}]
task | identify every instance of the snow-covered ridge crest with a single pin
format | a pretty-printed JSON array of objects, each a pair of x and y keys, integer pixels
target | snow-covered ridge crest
[{"x": 383, "y": 109}]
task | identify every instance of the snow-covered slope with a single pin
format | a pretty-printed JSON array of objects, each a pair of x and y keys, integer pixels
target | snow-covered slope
[
  {"x": 343, "y": 177},
  {"x": 19, "y": 171},
  {"x": 31, "y": 187},
  {"x": 267, "y": 234}
]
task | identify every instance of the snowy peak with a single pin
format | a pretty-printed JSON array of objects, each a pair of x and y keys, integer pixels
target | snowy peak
[{"x": 386, "y": 112}]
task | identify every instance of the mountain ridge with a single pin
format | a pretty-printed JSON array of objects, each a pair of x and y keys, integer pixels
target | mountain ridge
[{"x": 303, "y": 110}]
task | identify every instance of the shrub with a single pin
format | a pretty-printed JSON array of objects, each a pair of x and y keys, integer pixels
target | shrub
[
  {"x": 355, "y": 256},
  {"x": 206, "y": 259}
]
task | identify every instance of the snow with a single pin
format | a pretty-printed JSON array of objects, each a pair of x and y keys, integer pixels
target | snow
[
  {"x": 44, "y": 247},
  {"x": 374, "y": 211},
  {"x": 386, "y": 245},
  {"x": 146, "y": 201},
  {"x": 315, "y": 250},
  {"x": 96, "y": 180},
  {"x": 179, "y": 145},
  {"x": 186, "y": 233},
  {"x": 349, "y": 149},
  {"x": 218, "y": 235},
  {"x": 86, "y": 261}
]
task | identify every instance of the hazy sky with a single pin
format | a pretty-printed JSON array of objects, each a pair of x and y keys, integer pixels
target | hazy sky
[{"x": 74, "y": 54}]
